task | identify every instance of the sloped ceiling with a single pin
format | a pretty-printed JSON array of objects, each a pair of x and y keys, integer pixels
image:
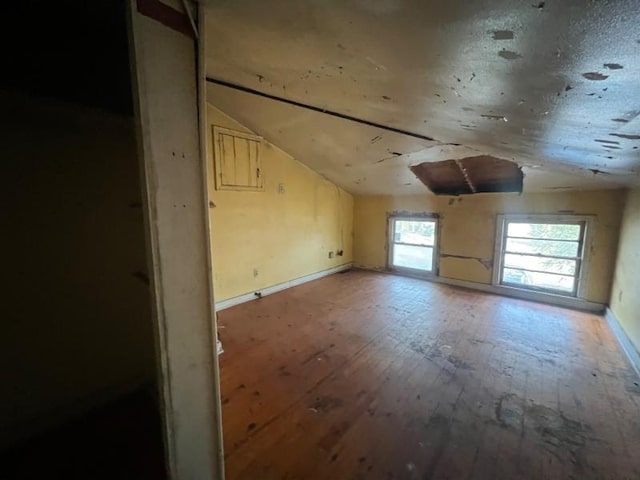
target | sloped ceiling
[{"x": 553, "y": 86}]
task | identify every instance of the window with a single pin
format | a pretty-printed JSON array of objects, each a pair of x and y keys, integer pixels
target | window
[
  {"x": 542, "y": 253},
  {"x": 237, "y": 160},
  {"x": 412, "y": 244}
]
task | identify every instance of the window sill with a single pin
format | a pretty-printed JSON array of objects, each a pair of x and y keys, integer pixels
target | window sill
[
  {"x": 412, "y": 272},
  {"x": 542, "y": 297}
]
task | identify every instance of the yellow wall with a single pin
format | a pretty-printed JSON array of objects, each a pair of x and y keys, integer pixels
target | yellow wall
[
  {"x": 625, "y": 294},
  {"x": 468, "y": 229},
  {"x": 76, "y": 319},
  {"x": 279, "y": 236}
]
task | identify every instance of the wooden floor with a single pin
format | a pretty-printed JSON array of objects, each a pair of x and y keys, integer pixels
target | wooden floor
[{"x": 372, "y": 376}]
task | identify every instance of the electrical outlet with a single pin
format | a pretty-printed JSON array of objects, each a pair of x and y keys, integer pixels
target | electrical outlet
[
  {"x": 281, "y": 188},
  {"x": 340, "y": 253},
  {"x": 330, "y": 254},
  {"x": 255, "y": 272}
]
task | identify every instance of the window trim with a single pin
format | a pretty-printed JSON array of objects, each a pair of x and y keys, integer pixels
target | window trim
[
  {"x": 582, "y": 260},
  {"x": 414, "y": 272}
]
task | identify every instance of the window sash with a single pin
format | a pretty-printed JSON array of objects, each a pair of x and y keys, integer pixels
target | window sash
[
  {"x": 532, "y": 270},
  {"x": 512, "y": 262},
  {"x": 425, "y": 245},
  {"x": 547, "y": 239},
  {"x": 418, "y": 220},
  {"x": 578, "y": 259},
  {"x": 541, "y": 255},
  {"x": 550, "y": 222},
  {"x": 393, "y": 221},
  {"x": 539, "y": 245},
  {"x": 540, "y": 288}
]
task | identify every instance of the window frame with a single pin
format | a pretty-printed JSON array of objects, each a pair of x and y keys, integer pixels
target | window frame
[
  {"x": 435, "y": 218},
  {"x": 582, "y": 259}
]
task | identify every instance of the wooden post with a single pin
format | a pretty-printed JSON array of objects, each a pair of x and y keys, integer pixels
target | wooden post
[{"x": 167, "y": 81}]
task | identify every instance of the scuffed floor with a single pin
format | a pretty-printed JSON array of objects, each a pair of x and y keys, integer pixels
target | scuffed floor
[{"x": 366, "y": 375}]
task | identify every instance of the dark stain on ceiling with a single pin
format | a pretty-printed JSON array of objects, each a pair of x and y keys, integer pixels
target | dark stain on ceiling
[
  {"x": 502, "y": 35},
  {"x": 596, "y": 76},
  {"x": 509, "y": 55},
  {"x": 613, "y": 66}
]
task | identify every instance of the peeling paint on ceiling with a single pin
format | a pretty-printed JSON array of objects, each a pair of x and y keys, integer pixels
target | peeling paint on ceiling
[{"x": 542, "y": 87}]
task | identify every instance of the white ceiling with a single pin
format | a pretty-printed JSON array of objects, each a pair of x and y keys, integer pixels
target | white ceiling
[{"x": 439, "y": 69}]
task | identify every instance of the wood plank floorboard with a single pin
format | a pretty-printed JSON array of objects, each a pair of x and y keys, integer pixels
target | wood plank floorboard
[{"x": 363, "y": 375}]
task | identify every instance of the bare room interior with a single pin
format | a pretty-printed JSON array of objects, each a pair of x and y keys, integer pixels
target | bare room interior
[{"x": 382, "y": 239}]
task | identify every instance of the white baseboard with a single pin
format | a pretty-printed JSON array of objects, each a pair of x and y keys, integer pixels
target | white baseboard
[
  {"x": 247, "y": 297},
  {"x": 559, "y": 300},
  {"x": 623, "y": 339}
]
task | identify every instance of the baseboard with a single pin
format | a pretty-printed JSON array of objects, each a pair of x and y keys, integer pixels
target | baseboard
[
  {"x": 549, "y": 298},
  {"x": 247, "y": 297},
  {"x": 15, "y": 434},
  {"x": 623, "y": 339}
]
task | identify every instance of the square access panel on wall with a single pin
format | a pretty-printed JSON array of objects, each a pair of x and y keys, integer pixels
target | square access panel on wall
[{"x": 237, "y": 160}]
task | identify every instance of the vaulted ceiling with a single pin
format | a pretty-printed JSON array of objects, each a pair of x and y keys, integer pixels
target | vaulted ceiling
[{"x": 551, "y": 85}]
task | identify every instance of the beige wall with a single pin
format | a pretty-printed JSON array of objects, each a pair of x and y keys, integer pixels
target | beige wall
[
  {"x": 625, "y": 294},
  {"x": 468, "y": 229},
  {"x": 76, "y": 321},
  {"x": 265, "y": 238}
]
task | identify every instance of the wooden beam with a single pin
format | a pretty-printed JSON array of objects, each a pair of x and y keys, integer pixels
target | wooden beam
[{"x": 466, "y": 176}]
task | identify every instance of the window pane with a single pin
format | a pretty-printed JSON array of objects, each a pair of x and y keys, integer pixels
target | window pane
[
  {"x": 419, "y": 232},
  {"x": 543, "y": 247},
  {"x": 544, "y": 230},
  {"x": 551, "y": 265},
  {"x": 408, "y": 256},
  {"x": 548, "y": 281}
]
